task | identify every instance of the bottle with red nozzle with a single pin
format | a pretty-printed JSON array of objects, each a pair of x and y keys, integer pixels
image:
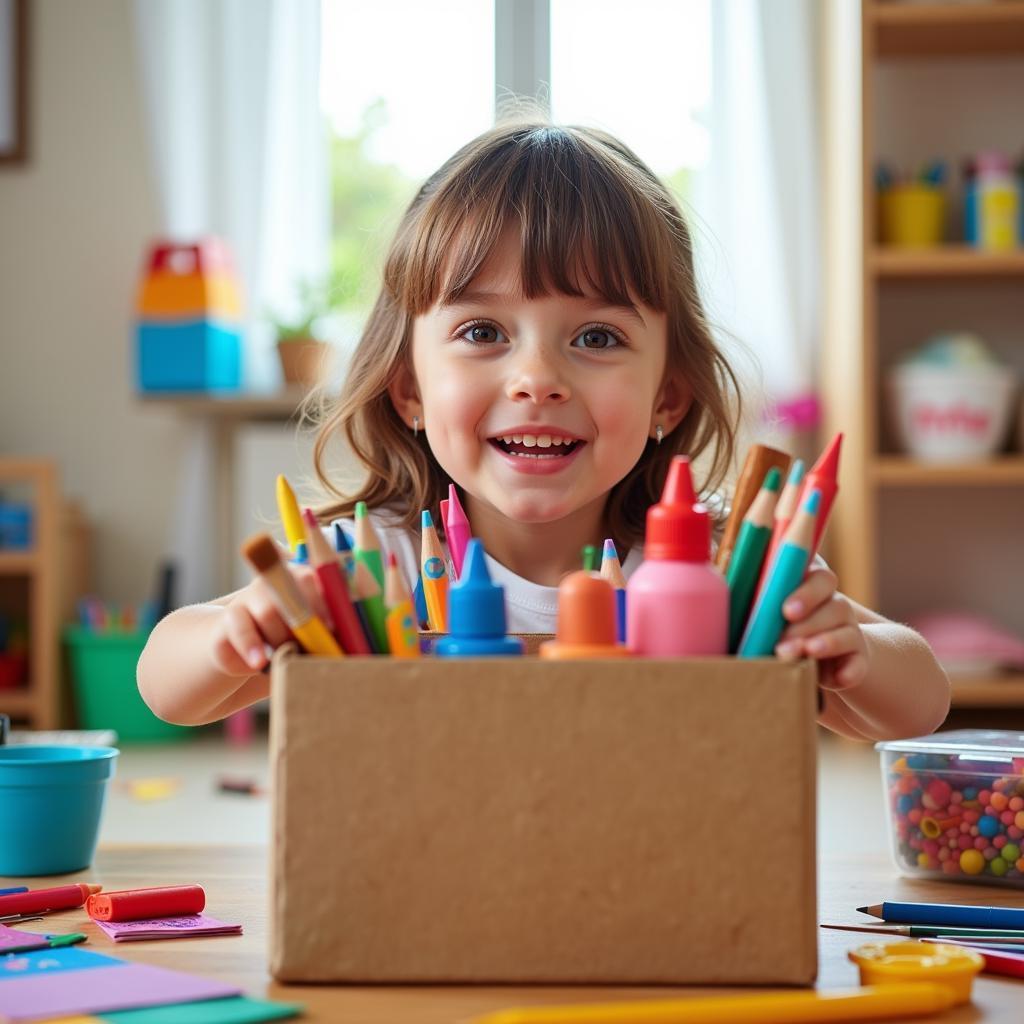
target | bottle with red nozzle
[{"x": 677, "y": 602}]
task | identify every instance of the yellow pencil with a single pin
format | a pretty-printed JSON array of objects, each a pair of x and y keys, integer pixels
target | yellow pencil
[
  {"x": 872, "y": 1002},
  {"x": 262, "y": 554},
  {"x": 434, "y": 572},
  {"x": 291, "y": 517},
  {"x": 403, "y": 636}
]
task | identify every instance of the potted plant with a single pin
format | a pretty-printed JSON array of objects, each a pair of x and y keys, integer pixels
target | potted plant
[{"x": 300, "y": 347}]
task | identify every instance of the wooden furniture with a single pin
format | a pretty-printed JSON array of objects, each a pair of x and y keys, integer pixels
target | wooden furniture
[
  {"x": 235, "y": 879},
  {"x": 29, "y": 587},
  {"x": 933, "y": 80}
]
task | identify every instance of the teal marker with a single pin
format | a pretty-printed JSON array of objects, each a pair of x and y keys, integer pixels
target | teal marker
[{"x": 787, "y": 573}]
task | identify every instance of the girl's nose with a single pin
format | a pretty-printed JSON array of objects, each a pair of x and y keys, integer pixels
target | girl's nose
[{"x": 537, "y": 378}]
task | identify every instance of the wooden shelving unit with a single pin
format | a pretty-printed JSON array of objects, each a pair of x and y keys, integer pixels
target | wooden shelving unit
[
  {"x": 33, "y": 573},
  {"x": 903, "y": 45}
]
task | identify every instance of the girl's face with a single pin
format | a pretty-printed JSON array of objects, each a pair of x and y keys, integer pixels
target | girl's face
[{"x": 537, "y": 407}]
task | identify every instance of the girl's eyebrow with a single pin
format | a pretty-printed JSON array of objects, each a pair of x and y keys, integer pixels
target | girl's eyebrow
[{"x": 474, "y": 296}]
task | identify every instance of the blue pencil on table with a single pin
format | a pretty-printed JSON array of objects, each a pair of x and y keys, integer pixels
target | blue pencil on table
[
  {"x": 17, "y": 888},
  {"x": 947, "y": 914}
]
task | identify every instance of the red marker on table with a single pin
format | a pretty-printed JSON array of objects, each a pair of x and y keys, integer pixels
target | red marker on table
[
  {"x": 142, "y": 904},
  {"x": 41, "y": 901},
  {"x": 824, "y": 478}
]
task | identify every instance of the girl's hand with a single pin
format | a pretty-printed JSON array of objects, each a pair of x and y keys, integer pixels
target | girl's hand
[
  {"x": 823, "y": 625},
  {"x": 251, "y": 620}
]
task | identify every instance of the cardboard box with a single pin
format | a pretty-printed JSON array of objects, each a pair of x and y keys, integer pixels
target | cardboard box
[{"x": 517, "y": 820}]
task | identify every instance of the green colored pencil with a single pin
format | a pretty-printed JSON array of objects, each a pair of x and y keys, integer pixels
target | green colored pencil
[
  {"x": 935, "y": 931},
  {"x": 367, "y": 546},
  {"x": 590, "y": 558},
  {"x": 745, "y": 564}
]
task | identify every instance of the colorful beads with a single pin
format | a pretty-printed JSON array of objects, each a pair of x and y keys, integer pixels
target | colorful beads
[{"x": 958, "y": 823}]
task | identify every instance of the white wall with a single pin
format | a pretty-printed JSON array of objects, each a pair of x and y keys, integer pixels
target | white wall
[{"x": 74, "y": 224}]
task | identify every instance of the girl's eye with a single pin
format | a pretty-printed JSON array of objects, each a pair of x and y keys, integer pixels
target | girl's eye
[
  {"x": 597, "y": 338},
  {"x": 482, "y": 333}
]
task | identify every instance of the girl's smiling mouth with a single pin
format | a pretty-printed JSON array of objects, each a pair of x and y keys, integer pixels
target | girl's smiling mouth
[{"x": 538, "y": 449}]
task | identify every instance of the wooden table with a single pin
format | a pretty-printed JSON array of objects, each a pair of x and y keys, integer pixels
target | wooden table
[{"x": 235, "y": 879}]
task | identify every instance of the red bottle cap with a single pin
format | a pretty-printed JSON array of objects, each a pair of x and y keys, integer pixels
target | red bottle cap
[{"x": 678, "y": 528}]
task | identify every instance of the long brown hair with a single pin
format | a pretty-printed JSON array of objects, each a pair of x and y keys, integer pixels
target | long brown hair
[{"x": 568, "y": 191}]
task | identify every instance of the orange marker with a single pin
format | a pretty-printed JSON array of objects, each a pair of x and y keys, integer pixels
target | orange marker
[
  {"x": 403, "y": 636},
  {"x": 586, "y": 620}
]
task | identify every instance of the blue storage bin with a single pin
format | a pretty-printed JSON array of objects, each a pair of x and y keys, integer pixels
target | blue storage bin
[
  {"x": 195, "y": 355},
  {"x": 51, "y": 801},
  {"x": 15, "y": 525}
]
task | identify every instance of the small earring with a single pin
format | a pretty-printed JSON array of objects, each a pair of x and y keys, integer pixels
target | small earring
[
  {"x": 415, "y": 426},
  {"x": 658, "y": 433}
]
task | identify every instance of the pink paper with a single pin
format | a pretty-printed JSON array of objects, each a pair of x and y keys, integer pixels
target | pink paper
[
  {"x": 186, "y": 926},
  {"x": 10, "y": 937}
]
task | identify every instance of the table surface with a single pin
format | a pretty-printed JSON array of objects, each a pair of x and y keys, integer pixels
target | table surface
[{"x": 235, "y": 879}]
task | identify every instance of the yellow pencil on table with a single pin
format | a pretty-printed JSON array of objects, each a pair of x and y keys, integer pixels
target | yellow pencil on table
[
  {"x": 403, "y": 634},
  {"x": 894, "y": 1001},
  {"x": 262, "y": 554},
  {"x": 291, "y": 516},
  {"x": 434, "y": 573}
]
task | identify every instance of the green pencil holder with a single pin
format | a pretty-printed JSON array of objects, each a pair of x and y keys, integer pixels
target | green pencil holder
[{"x": 106, "y": 695}]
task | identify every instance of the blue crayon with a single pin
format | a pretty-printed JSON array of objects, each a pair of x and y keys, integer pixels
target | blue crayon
[
  {"x": 476, "y": 613},
  {"x": 17, "y": 888},
  {"x": 787, "y": 573}
]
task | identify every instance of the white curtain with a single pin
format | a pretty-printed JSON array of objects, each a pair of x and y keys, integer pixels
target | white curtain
[
  {"x": 239, "y": 149},
  {"x": 759, "y": 248}
]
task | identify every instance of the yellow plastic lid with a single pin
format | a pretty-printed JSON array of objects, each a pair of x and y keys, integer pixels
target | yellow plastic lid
[{"x": 945, "y": 964}]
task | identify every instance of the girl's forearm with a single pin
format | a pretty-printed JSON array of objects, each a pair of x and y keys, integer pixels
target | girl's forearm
[
  {"x": 905, "y": 693},
  {"x": 178, "y": 678}
]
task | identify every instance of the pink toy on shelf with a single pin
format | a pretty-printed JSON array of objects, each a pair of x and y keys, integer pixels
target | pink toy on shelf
[{"x": 968, "y": 643}]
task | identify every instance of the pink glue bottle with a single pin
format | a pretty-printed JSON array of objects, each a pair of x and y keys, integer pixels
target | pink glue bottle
[{"x": 677, "y": 602}]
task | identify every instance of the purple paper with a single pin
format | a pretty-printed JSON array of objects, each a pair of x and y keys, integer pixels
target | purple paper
[
  {"x": 11, "y": 937},
  {"x": 168, "y": 928},
  {"x": 123, "y": 986}
]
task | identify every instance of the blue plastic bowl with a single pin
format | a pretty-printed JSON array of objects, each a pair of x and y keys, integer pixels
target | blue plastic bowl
[{"x": 51, "y": 799}]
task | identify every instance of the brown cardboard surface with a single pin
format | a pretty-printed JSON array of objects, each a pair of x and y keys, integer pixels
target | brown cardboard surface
[{"x": 522, "y": 821}]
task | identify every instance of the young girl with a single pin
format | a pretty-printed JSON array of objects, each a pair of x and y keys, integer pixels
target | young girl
[{"x": 539, "y": 340}]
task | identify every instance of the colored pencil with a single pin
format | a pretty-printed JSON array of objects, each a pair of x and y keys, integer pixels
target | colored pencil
[
  {"x": 947, "y": 913},
  {"x": 369, "y": 597},
  {"x": 434, "y": 574},
  {"x": 1010, "y": 965},
  {"x": 367, "y": 549},
  {"x": 589, "y": 556},
  {"x": 888, "y": 1002},
  {"x": 920, "y": 931},
  {"x": 403, "y": 636},
  {"x": 745, "y": 563},
  {"x": 262, "y": 554},
  {"x": 334, "y": 587},
  {"x": 760, "y": 458},
  {"x": 291, "y": 517},
  {"x": 456, "y": 529},
  {"x": 611, "y": 570},
  {"x": 824, "y": 477},
  {"x": 345, "y": 556},
  {"x": 766, "y": 620},
  {"x": 785, "y": 509},
  {"x": 419, "y": 603}
]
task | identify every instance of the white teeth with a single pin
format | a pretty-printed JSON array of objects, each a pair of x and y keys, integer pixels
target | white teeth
[
  {"x": 544, "y": 441},
  {"x": 517, "y": 438},
  {"x": 558, "y": 440},
  {"x": 530, "y": 440}
]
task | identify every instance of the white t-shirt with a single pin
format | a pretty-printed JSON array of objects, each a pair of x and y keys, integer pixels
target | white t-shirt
[{"x": 531, "y": 608}]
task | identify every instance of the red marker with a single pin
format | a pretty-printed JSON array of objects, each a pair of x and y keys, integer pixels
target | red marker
[
  {"x": 41, "y": 901},
  {"x": 325, "y": 564},
  {"x": 823, "y": 477},
  {"x": 142, "y": 904}
]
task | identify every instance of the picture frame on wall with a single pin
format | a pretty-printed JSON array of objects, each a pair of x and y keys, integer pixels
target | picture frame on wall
[{"x": 13, "y": 81}]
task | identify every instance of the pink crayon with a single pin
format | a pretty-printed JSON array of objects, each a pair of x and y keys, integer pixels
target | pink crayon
[{"x": 457, "y": 531}]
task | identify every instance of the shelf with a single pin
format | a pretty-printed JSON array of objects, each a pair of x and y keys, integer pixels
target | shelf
[
  {"x": 18, "y": 563},
  {"x": 999, "y": 691},
  {"x": 947, "y": 29},
  {"x": 944, "y": 262},
  {"x": 900, "y": 471},
  {"x": 276, "y": 407}
]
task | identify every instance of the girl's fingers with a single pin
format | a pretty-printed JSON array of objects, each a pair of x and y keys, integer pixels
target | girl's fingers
[
  {"x": 819, "y": 586},
  {"x": 241, "y": 648},
  {"x": 830, "y": 615},
  {"x": 835, "y": 643}
]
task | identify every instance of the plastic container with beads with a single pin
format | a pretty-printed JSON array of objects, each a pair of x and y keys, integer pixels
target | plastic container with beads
[{"x": 955, "y": 805}]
